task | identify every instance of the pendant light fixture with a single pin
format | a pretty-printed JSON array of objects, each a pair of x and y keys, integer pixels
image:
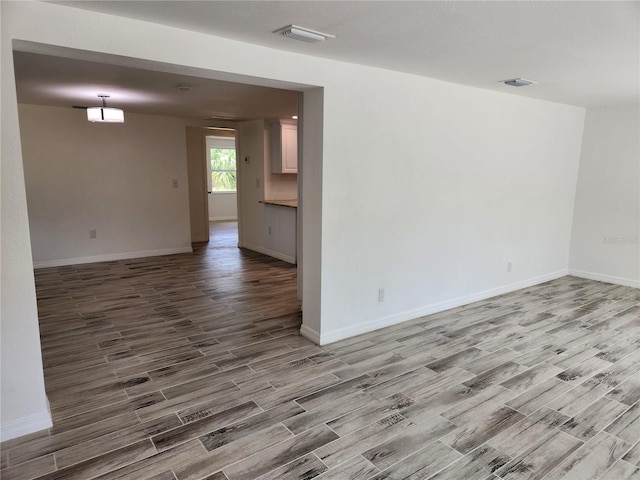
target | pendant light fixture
[{"x": 104, "y": 113}]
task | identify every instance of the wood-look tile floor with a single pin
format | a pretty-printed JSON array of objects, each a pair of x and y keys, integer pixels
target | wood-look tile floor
[{"x": 191, "y": 367}]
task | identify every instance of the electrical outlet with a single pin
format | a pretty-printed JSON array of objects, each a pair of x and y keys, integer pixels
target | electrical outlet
[
  {"x": 257, "y": 182},
  {"x": 509, "y": 266},
  {"x": 247, "y": 159},
  {"x": 174, "y": 183},
  {"x": 93, "y": 233},
  {"x": 269, "y": 229},
  {"x": 381, "y": 294}
]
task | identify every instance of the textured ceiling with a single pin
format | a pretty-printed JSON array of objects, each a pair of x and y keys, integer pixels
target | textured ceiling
[
  {"x": 583, "y": 53},
  {"x": 64, "y": 82},
  {"x": 580, "y": 53}
]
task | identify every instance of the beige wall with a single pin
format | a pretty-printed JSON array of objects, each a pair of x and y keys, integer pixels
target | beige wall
[
  {"x": 223, "y": 206},
  {"x": 606, "y": 223},
  {"x": 265, "y": 229},
  {"x": 199, "y": 215},
  {"x": 277, "y": 186},
  {"x": 251, "y": 178},
  {"x": 116, "y": 179}
]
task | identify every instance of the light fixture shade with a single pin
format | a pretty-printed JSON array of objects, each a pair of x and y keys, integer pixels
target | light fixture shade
[{"x": 105, "y": 114}]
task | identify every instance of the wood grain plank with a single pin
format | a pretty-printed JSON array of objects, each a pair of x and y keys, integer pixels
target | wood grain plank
[
  {"x": 104, "y": 463},
  {"x": 231, "y": 453},
  {"x": 538, "y": 460},
  {"x": 533, "y": 399},
  {"x": 234, "y": 431},
  {"x": 627, "y": 425},
  {"x": 529, "y": 431},
  {"x": 422, "y": 464},
  {"x": 361, "y": 440},
  {"x": 282, "y": 454},
  {"x": 183, "y": 433},
  {"x": 476, "y": 466},
  {"x": 357, "y": 468},
  {"x": 594, "y": 418},
  {"x": 621, "y": 470},
  {"x": 386, "y": 453},
  {"x": 579, "y": 398},
  {"x": 30, "y": 469},
  {"x": 592, "y": 460},
  {"x": 306, "y": 467},
  {"x": 113, "y": 441}
]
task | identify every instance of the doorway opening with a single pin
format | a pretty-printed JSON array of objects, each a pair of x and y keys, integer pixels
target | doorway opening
[
  {"x": 222, "y": 175},
  {"x": 25, "y": 56}
]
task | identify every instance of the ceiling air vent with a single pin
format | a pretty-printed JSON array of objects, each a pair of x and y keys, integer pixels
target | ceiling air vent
[
  {"x": 518, "y": 82},
  {"x": 303, "y": 34}
]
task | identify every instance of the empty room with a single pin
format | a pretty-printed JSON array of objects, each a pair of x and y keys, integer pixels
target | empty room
[{"x": 305, "y": 239}]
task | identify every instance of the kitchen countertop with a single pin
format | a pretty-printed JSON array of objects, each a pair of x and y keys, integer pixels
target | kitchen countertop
[{"x": 281, "y": 203}]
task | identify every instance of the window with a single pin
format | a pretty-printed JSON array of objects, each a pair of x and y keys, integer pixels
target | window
[{"x": 223, "y": 169}]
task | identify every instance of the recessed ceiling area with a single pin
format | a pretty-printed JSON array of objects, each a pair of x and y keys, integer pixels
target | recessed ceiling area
[
  {"x": 65, "y": 82},
  {"x": 584, "y": 53}
]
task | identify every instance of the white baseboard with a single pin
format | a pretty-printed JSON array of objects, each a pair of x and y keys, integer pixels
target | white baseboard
[
  {"x": 310, "y": 334},
  {"x": 223, "y": 219},
  {"x": 266, "y": 251},
  {"x": 25, "y": 426},
  {"x": 111, "y": 257},
  {"x": 369, "y": 326},
  {"x": 627, "y": 282}
]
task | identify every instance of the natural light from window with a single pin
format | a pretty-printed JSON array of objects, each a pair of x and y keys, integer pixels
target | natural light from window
[{"x": 223, "y": 169}]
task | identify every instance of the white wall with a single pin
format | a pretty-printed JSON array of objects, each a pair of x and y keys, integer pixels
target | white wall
[
  {"x": 606, "y": 221},
  {"x": 477, "y": 178},
  {"x": 197, "y": 173},
  {"x": 222, "y": 206},
  {"x": 251, "y": 175},
  {"x": 23, "y": 402},
  {"x": 114, "y": 178}
]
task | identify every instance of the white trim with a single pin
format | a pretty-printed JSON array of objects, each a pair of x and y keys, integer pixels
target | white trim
[
  {"x": 223, "y": 219},
  {"x": 627, "y": 282},
  {"x": 266, "y": 251},
  {"x": 310, "y": 334},
  {"x": 111, "y": 257},
  {"x": 370, "y": 326},
  {"x": 26, "y": 425}
]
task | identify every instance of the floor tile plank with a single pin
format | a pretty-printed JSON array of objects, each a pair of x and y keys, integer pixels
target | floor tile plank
[
  {"x": 422, "y": 464},
  {"x": 539, "y": 459},
  {"x": 189, "y": 366},
  {"x": 357, "y": 468},
  {"x": 281, "y": 454},
  {"x": 406, "y": 443},
  {"x": 592, "y": 459},
  {"x": 594, "y": 418}
]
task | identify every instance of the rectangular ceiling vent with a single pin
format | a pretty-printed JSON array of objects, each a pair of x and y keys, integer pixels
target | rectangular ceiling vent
[
  {"x": 303, "y": 34},
  {"x": 518, "y": 82}
]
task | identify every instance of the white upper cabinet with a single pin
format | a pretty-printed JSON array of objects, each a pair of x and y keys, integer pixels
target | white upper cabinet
[{"x": 284, "y": 146}]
